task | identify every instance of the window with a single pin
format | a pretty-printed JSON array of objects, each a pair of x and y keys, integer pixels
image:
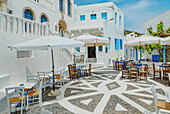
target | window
[
  {"x": 28, "y": 15},
  {"x": 82, "y": 17},
  {"x": 109, "y": 43},
  {"x": 100, "y": 48},
  {"x": 121, "y": 44},
  {"x": 115, "y": 18},
  {"x": 69, "y": 8},
  {"x": 77, "y": 49},
  {"x": 93, "y": 16},
  {"x": 104, "y": 15},
  {"x": 130, "y": 52},
  {"x": 120, "y": 19},
  {"x": 109, "y": 61},
  {"x": 106, "y": 49},
  {"x": 43, "y": 18},
  {"x": 24, "y": 54},
  {"x": 116, "y": 44},
  {"x": 61, "y": 5}
]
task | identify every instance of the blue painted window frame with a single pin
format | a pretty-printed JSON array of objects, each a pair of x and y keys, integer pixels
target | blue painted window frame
[
  {"x": 121, "y": 44},
  {"x": 61, "y": 5},
  {"x": 82, "y": 17},
  {"x": 130, "y": 52},
  {"x": 104, "y": 15},
  {"x": 115, "y": 18},
  {"x": 116, "y": 44},
  {"x": 93, "y": 16},
  {"x": 100, "y": 48},
  {"x": 69, "y": 8}
]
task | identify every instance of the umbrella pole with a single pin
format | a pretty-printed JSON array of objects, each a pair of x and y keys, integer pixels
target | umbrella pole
[{"x": 53, "y": 69}]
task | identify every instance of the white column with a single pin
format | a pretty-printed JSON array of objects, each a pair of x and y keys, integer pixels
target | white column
[
  {"x": 36, "y": 29},
  {"x": 28, "y": 27},
  {"x": 31, "y": 28},
  {"x": 2, "y": 23},
  {"x": 7, "y": 24},
  {"x": 19, "y": 26},
  {"x": 23, "y": 27},
  {"x": 39, "y": 29},
  {"x": 47, "y": 29},
  {"x": 14, "y": 25},
  {"x": 42, "y": 30}
]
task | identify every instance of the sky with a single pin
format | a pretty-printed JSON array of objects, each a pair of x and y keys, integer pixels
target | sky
[{"x": 136, "y": 12}]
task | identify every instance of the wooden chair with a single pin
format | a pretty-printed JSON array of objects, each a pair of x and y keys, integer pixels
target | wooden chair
[
  {"x": 166, "y": 71},
  {"x": 72, "y": 72},
  {"x": 124, "y": 71},
  {"x": 156, "y": 71},
  {"x": 145, "y": 72},
  {"x": 113, "y": 62},
  {"x": 159, "y": 104},
  {"x": 87, "y": 72},
  {"x": 118, "y": 65},
  {"x": 133, "y": 71},
  {"x": 14, "y": 100},
  {"x": 81, "y": 58}
]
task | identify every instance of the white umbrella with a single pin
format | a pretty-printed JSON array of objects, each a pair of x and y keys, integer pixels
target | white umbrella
[
  {"x": 144, "y": 40},
  {"x": 165, "y": 41},
  {"x": 91, "y": 41},
  {"x": 48, "y": 42}
]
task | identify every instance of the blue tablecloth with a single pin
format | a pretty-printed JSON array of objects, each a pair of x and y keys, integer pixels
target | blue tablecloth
[{"x": 139, "y": 64}]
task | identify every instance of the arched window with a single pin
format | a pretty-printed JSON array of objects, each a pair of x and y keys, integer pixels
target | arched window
[
  {"x": 69, "y": 8},
  {"x": 43, "y": 18},
  {"x": 28, "y": 14},
  {"x": 61, "y": 5}
]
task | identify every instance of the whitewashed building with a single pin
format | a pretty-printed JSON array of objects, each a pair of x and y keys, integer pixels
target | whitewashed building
[
  {"x": 22, "y": 20},
  {"x": 103, "y": 20}
]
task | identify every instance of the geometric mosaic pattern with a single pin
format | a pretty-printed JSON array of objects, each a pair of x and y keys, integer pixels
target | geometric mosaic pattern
[{"x": 107, "y": 93}]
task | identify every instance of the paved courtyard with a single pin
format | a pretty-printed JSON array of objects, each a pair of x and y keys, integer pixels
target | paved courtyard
[{"x": 105, "y": 93}]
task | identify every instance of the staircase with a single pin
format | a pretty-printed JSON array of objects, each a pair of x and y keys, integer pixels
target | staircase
[{"x": 65, "y": 53}]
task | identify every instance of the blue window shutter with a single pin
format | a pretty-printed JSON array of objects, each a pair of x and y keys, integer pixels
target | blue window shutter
[
  {"x": 121, "y": 44},
  {"x": 120, "y": 19},
  {"x": 104, "y": 15},
  {"x": 100, "y": 48},
  {"x": 69, "y": 8},
  {"x": 93, "y": 16},
  {"x": 115, "y": 18},
  {"x": 109, "y": 43},
  {"x": 126, "y": 52},
  {"x": 116, "y": 44},
  {"x": 61, "y": 5},
  {"x": 82, "y": 17}
]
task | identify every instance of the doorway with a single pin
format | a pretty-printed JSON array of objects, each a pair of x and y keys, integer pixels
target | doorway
[{"x": 92, "y": 52}]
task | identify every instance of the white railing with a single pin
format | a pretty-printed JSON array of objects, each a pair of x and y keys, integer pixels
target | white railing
[
  {"x": 15, "y": 25},
  {"x": 47, "y": 3}
]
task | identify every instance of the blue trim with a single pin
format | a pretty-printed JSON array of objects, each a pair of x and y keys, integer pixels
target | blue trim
[
  {"x": 121, "y": 46},
  {"x": 109, "y": 43},
  {"x": 61, "y": 5},
  {"x": 164, "y": 54},
  {"x": 100, "y": 48},
  {"x": 115, "y": 18},
  {"x": 120, "y": 20}
]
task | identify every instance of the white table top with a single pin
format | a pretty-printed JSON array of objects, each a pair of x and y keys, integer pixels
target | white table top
[{"x": 26, "y": 85}]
